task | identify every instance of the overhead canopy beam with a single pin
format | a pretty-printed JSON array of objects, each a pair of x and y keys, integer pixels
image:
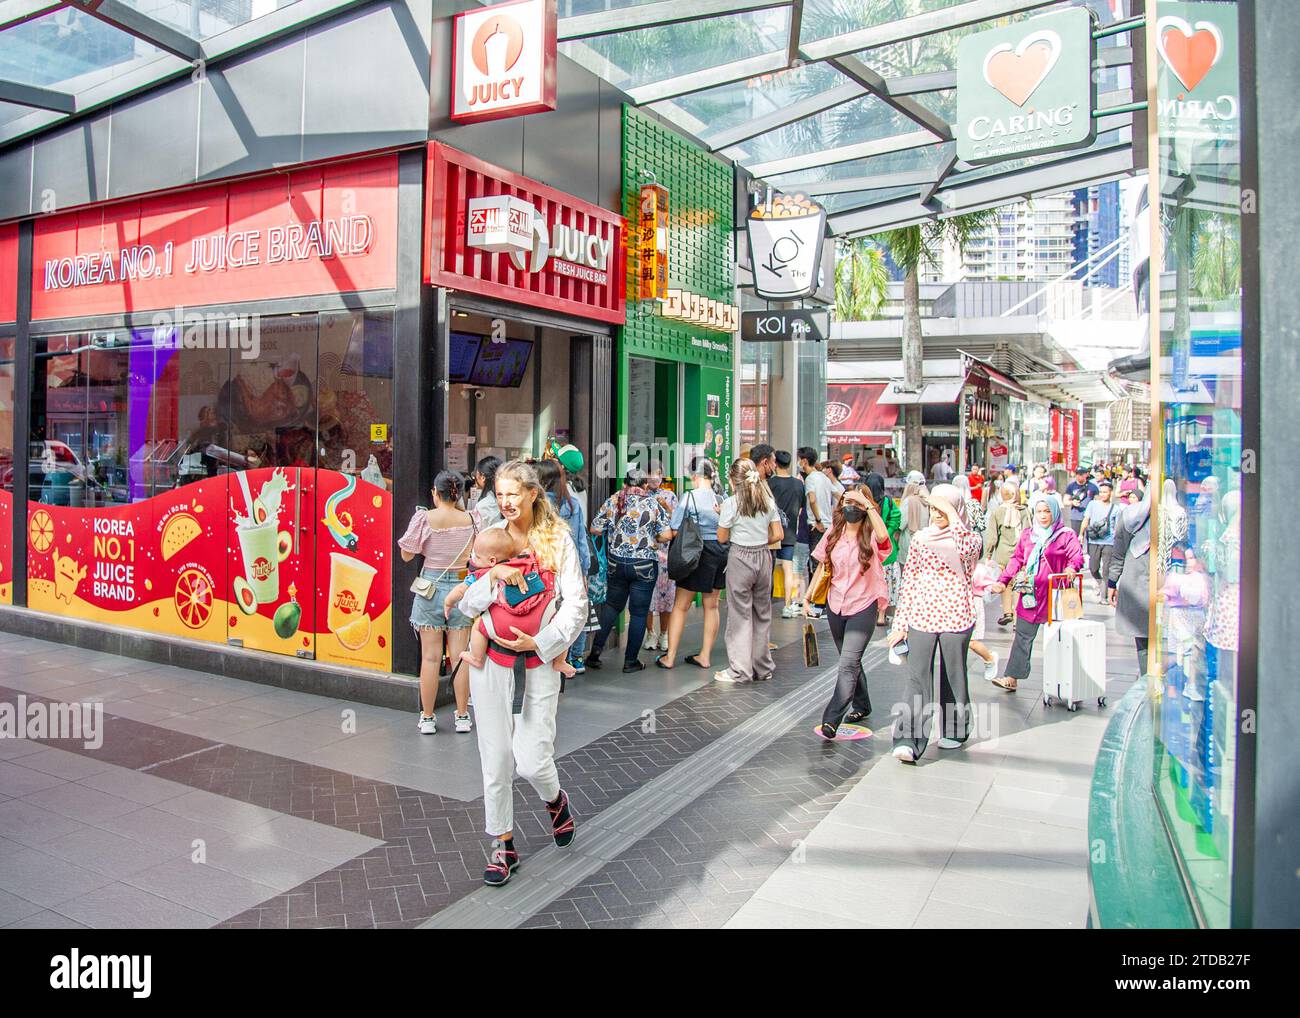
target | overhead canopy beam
[
  {"x": 844, "y": 154},
  {"x": 847, "y": 185},
  {"x": 15, "y": 12},
  {"x": 711, "y": 77},
  {"x": 928, "y": 23},
  {"x": 855, "y": 68},
  {"x": 657, "y": 15},
  {"x": 141, "y": 26},
  {"x": 38, "y": 98},
  {"x": 801, "y": 110}
]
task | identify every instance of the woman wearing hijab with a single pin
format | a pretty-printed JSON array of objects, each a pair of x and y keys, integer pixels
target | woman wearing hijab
[
  {"x": 972, "y": 514},
  {"x": 1006, "y": 522},
  {"x": 934, "y": 614},
  {"x": 1130, "y": 575},
  {"x": 916, "y": 516},
  {"x": 1047, "y": 546}
]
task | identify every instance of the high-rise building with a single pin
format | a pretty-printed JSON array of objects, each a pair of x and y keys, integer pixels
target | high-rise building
[
  {"x": 1096, "y": 226},
  {"x": 1029, "y": 241}
]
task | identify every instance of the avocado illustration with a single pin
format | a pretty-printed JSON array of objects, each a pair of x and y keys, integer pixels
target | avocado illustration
[
  {"x": 286, "y": 619},
  {"x": 244, "y": 596}
]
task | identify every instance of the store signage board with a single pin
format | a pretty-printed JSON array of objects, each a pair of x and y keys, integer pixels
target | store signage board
[
  {"x": 652, "y": 242},
  {"x": 684, "y": 306},
  {"x": 316, "y": 230},
  {"x": 789, "y": 326},
  {"x": 1026, "y": 88},
  {"x": 1198, "y": 72},
  {"x": 505, "y": 236},
  {"x": 785, "y": 246},
  {"x": 503, "y": 61}
]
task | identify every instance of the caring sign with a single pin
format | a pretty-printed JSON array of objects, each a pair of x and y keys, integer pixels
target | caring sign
[
  {"x": 1198, "y": 86},
  {"x": 1026, "y": 88},
  {"x": 503, "y": 61}
]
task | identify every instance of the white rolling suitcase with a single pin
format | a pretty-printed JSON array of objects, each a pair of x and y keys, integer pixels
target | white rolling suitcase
[{"x": 1075, "y": 666}]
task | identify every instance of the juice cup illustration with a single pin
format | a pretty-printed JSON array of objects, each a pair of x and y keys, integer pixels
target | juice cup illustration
[
  {"x": 350, "y": 580},
  {"x": 785, "y": 243},
  {"x": 260, "y": 546}
]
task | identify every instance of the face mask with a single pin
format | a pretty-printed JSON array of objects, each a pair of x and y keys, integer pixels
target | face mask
[{"x": 852, "y": 514}]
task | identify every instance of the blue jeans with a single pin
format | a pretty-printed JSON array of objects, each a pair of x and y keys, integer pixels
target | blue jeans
[{"x": 631, "y": 585}]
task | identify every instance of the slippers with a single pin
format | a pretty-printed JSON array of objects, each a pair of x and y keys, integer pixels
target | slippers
[
  {"x": 1003, "y": 686},
  {"x": 691, "y": 659},
  {"x": 659, "y": 663}
]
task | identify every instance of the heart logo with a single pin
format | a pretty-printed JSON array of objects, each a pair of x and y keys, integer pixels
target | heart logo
[
  {"x": 1017, "y": 72},
  {"x": 1189, "y": 51}
]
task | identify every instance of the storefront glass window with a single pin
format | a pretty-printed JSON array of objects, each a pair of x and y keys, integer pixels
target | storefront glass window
[
  {"x": 756, "y": 368},
  {"x": 810, "y": 362},
  {"x": 6, "y": 467},
  {"x": 1197, "y": 489}
]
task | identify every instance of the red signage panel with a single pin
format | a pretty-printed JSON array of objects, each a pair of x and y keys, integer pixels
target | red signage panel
[
  {"x": 574, "y": 263},
  {"x": 311, "y": 230},
  {"x": 9, "y": 273}
]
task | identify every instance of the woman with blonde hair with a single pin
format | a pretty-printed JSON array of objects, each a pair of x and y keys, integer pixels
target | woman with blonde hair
[
  {"x": 526, "y": 743},
  {"x": 749, "y": 521}
]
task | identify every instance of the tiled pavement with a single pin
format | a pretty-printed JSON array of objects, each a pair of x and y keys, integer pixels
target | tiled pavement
[{"x": 219, "y": 802}]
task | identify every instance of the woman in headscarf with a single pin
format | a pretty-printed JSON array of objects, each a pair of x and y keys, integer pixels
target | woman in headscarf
[
  {"x": 893, "y": 517},
  {"x": 1129, "y": 575},
  {"x": 915, "y": 516},
  {"x": 934, "y": 614},
  {"x": 1047, "y": 546},
  {"x": 972, "y": 514},
  {"x": 1006, "y": 521}
]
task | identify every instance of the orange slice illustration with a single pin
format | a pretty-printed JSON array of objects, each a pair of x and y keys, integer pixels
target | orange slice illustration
[
  {"x": 355, "y": 635},
  {"x": 41, "y": 530},
  {"x": 193, "y": 598}
]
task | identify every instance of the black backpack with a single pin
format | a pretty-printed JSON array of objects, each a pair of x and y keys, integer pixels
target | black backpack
[{"x": 687, "y": 546}]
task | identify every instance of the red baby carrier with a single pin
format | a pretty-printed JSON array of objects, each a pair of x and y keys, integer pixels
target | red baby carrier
[{"x": 528, "y": 616}]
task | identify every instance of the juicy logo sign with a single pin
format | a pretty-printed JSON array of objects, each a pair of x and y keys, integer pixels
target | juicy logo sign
[
  {"x": 1026, "y": 88},
  {"x": 504, "y": 62},
  {"x": 347, "y": 602}
]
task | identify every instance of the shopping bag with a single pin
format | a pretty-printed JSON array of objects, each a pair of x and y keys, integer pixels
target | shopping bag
[
  {"x": 810, "y": 655},
  {"x": 1069, "y": 598},
  {"x": 986, "y": 574}
]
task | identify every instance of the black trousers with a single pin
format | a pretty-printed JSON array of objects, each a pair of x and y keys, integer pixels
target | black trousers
[
  {"x": 1022, "y": 649},
  {"x": 910, "y": 727},
  {"x": 851, "y": 634},
  {"x": 1141, "y": 642}
]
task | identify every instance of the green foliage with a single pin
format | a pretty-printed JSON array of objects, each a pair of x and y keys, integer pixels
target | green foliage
[
  {"x": 909, "y": 246},
  {"x": 861, "y": 280}
]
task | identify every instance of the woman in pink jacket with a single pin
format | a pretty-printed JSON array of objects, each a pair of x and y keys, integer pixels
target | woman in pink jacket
[{"x": 1047, "y": 547}]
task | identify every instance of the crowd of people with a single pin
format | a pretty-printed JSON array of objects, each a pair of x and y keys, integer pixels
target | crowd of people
[{"x": 519, "y": 574}]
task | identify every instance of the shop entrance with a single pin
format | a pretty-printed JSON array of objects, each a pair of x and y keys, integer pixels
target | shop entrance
[
  {"x": 654, "y": 413},
  {"x": 514, "y": 389}
]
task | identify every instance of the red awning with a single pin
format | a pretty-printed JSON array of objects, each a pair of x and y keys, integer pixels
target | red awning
[{"x": 854, "y": 413}]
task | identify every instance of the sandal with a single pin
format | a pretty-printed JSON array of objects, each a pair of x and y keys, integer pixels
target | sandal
[
  {"x": 1003, "y": 686},
  {"x": 659, "y": 663},
  {"x": 691, "y": 659}
]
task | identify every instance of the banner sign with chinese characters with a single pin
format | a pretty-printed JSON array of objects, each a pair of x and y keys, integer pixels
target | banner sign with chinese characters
[
  {"x": 684, "y": 306},
  {"x": 652, "y": 242}
]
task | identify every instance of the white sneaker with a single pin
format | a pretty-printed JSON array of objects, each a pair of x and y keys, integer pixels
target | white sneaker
[
  {"x": 464, "y": 723},
  {"x": 946, "y": 743},
  {"x": 429, "y": 725},
  {"x": 905, "y": 754},
  {"x": 726, "y": 675},
  {"x": 791, "y": 611},
  {"x": 991, "y": 667}
]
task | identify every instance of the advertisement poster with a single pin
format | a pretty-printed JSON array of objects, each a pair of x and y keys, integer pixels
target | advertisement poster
[
  {"x": 287, "y": 560},
  {"x": 6, "y": 548}
]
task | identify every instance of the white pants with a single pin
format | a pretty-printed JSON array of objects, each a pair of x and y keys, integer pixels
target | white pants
[{"x": 507, "y": 742}]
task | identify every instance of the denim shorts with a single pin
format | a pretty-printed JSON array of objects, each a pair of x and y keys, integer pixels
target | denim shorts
[
  {"x": 427, "y": 612},
  {"x": 785, "y": 553}
]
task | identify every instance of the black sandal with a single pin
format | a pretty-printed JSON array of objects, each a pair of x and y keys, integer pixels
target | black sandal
[
  {"x": 691, "y": 659},
  {"x": 659, "y": 663}
]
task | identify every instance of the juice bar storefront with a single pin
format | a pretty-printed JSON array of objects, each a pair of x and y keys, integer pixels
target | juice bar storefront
[
  {"x": 530, "y": 289},
  {"x": 201, "y": 415}
]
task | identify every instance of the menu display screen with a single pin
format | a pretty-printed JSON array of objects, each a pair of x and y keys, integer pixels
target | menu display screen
[
  {"x": 502, "y": 364},
  {"x": 462, "y": 351}
]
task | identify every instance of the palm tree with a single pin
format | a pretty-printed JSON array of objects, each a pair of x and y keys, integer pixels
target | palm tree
[
  {"x": 909, "y": 246},
  {"x": 861, "y": 280}
]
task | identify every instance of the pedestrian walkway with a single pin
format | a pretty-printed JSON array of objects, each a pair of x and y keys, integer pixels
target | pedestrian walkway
[{"x": 218, "y": 802}]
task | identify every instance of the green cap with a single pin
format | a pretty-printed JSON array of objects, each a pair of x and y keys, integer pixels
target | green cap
[{"x": 570, "y": 457}]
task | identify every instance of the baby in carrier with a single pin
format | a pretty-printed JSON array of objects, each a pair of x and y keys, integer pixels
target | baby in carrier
[{"x": 492, "y": 547}]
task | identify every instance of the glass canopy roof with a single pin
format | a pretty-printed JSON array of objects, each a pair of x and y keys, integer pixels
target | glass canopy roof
[{"x": 849, "y": 100}]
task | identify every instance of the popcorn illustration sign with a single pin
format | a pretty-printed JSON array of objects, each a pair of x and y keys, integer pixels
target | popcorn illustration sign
[
  {"x": 293, "y": 561},
  {"x": 503, "y": 62},
  {"x": 1026, "y": 88},
  {"x": 785, "y": 246}
]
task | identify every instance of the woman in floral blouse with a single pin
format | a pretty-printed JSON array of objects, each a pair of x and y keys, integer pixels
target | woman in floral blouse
[
  {"x": 637, "y": 525},
  {"x": 934, "y": 614}
]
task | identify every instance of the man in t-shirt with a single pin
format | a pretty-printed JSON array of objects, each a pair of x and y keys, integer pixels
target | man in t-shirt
[
  {"x": 763, "y": 456},
  {"x": 1078, "y": 493},
  {"x": 789, "y": 494},
  {"x": 942, "y": 470}
]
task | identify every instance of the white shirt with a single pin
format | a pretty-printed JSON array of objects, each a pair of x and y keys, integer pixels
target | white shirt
[
  {"x": 558, "y": 635},
  {"x": 941, "y": 471},
  {"x": 747, "y": 531},
  {"x": 819, "y": 485}
]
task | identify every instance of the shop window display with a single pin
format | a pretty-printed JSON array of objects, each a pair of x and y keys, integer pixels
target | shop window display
[
  {"x": 226, "y": 478},
  {"x": 1199, "y": 494}
]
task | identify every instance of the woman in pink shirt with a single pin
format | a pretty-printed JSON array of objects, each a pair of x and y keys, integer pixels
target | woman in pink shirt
[
  {"x": 935, "y": 613},
  {"x": 858, "y": 595}
]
